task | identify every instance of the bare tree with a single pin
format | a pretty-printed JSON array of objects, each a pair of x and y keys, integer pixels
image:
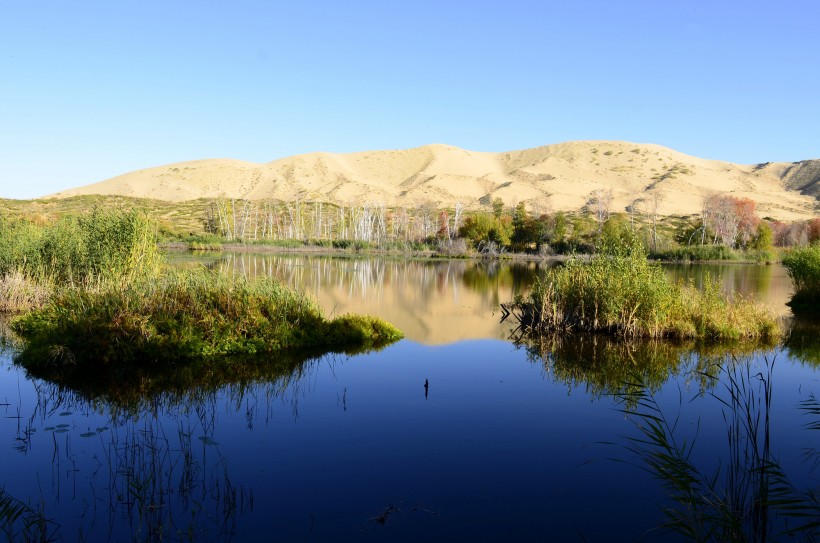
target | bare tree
[
  {"x": 655, "y": 203},
  {"x": 599, "y": 201}
]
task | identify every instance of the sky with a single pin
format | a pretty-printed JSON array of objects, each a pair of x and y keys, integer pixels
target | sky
[{"x": 93, "y": 89}]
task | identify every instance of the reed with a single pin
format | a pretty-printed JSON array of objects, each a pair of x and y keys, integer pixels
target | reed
[
  {"x": 748, "y": 497},
  {"x": 19, "y": 292},
  {"x": 95, "y": 246},
  {"x": 619, "y": 292},
  {"x": 803, "y": 265},
  {"x": 185, "y": 316}
]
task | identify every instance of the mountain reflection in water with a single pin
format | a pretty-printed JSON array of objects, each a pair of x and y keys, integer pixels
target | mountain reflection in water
[{"x": 435, "y": 437}]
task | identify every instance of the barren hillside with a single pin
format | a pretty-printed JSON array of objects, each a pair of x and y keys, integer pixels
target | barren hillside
[{"x": 559, "y": 177}]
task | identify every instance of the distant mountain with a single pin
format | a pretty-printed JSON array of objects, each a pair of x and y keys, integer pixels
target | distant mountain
[{"x": 557, "y": 177}]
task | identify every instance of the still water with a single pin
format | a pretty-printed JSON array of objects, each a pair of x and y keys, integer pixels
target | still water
[{"x": 504, "y": 442}]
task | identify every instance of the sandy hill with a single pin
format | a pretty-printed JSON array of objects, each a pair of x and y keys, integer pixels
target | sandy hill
[{"x": 560, "y": 177}]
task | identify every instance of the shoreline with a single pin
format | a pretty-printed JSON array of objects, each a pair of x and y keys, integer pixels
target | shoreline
[{"x": 179, "y": 246}]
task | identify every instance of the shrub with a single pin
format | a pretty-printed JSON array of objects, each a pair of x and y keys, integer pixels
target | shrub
[
  {"x": 803, "y": 266},
  {"x": 100, "y": 245},
  {"x": 619, "y": 292},
  {"x": 697, "y": 253},
  {"x": 185, "y": 316}
]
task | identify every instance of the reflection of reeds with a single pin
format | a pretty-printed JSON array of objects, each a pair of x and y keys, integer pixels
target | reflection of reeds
[
  {"x": 161, "y": 476},
  {"x": 166, "y": 490},
  {"x": 604, "y": 366},
  {"x": 21, "y": 522},
  {"x": 748, "y": 497}
]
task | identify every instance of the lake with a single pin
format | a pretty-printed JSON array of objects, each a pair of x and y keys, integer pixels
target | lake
[{"x": 454, "y": 433}]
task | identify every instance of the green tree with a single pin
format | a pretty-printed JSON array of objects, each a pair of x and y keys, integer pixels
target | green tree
[
  {"x": 523, "y": 228},
  {"x": 498, "y": 207},
  {"x": 483, "y": 226},
  {"x": 763, "y": 239}
]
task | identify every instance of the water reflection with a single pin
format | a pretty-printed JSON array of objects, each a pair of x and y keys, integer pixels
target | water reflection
[
  {"x": 770, "y": 285},
  {"x": 802, "y": 342},
  {"x": 432, "y": 302},
  {"x": 151, "y": 475},
  {"x": 436, "y": 302},
  {"x": 427, "y": 439}
]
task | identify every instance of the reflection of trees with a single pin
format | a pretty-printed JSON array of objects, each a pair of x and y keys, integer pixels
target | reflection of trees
[
  {"x": 413, "y": 283},
  {"x": 745, "y": 279},
  {"x": 605, "y": 366},
  {"x": 488, "y": 277}
]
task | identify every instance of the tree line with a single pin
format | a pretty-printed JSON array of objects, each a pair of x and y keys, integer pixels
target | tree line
[{"x": 725, "y": 220}]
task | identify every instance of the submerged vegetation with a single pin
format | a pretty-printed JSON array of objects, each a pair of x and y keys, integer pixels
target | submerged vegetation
[
  {"x": 619, "y": 292},
  {"x": 803, "y": 265}
]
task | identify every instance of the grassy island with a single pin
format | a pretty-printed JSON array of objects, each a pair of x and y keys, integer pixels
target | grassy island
[
  {"x": 182, "y": 316},
  {"x": 619, "y": 292},
  {"x": 94, "y": 294}
]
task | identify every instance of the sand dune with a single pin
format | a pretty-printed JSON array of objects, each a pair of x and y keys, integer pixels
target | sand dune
[{"x": 560, "y": 177}]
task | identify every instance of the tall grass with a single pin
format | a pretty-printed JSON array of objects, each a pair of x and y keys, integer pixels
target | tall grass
[
  {"x": 697, "y": 253},
  {"x": 99, "y": 244},
  {"x": 21, "y": 522},
  {"x": 619, "y": 292},
  {"x": 803, "y": 266},
  {"x": 748, "y": 497},
  {"x": 21, "y": 293},
  {"x": 185, "y": 316}
]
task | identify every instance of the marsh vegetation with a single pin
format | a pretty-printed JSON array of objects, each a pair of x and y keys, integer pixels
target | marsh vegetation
[
  {"x": 96, "y": 294},
  {"x": 619, "y": 292},
  {"x": 228, "y": 447},
  {"x": 803, "y": 265}
]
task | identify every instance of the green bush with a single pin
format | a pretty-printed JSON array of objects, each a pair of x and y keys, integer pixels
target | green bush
[
  {"x": 185, "y": 316},
  {"x": 619, "y": 292},
  {"x": 99, "y": 245},
  {"x": 697, "y": 253},
  {"x": 803, "y": 266}
]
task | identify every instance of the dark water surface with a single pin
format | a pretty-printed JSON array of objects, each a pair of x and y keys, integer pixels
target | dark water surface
[{"x": 504, "y": 442}]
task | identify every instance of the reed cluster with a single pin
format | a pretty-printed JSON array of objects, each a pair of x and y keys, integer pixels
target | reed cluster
[
  {"x": 803, "y": 265},
  {"x": 20, "y": 293},
  {"x": 99, "y": 245},
  {"x": 619, "y": 292},
  {"x": 185, "y": 316},
  {"x": 748, "y": 496}
]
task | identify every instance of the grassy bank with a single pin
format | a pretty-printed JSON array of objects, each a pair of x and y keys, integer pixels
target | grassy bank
[
  {"x": 619, "y": 292},
  {"x": 96, "y": 294},
  {"x": 713, "y": 253},
  {"x": 183, "y": 316},
  {"x": 803, "y": 266}
]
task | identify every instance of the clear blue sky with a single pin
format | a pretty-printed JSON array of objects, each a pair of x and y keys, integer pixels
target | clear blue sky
[{"x": 92, "y": 89}]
